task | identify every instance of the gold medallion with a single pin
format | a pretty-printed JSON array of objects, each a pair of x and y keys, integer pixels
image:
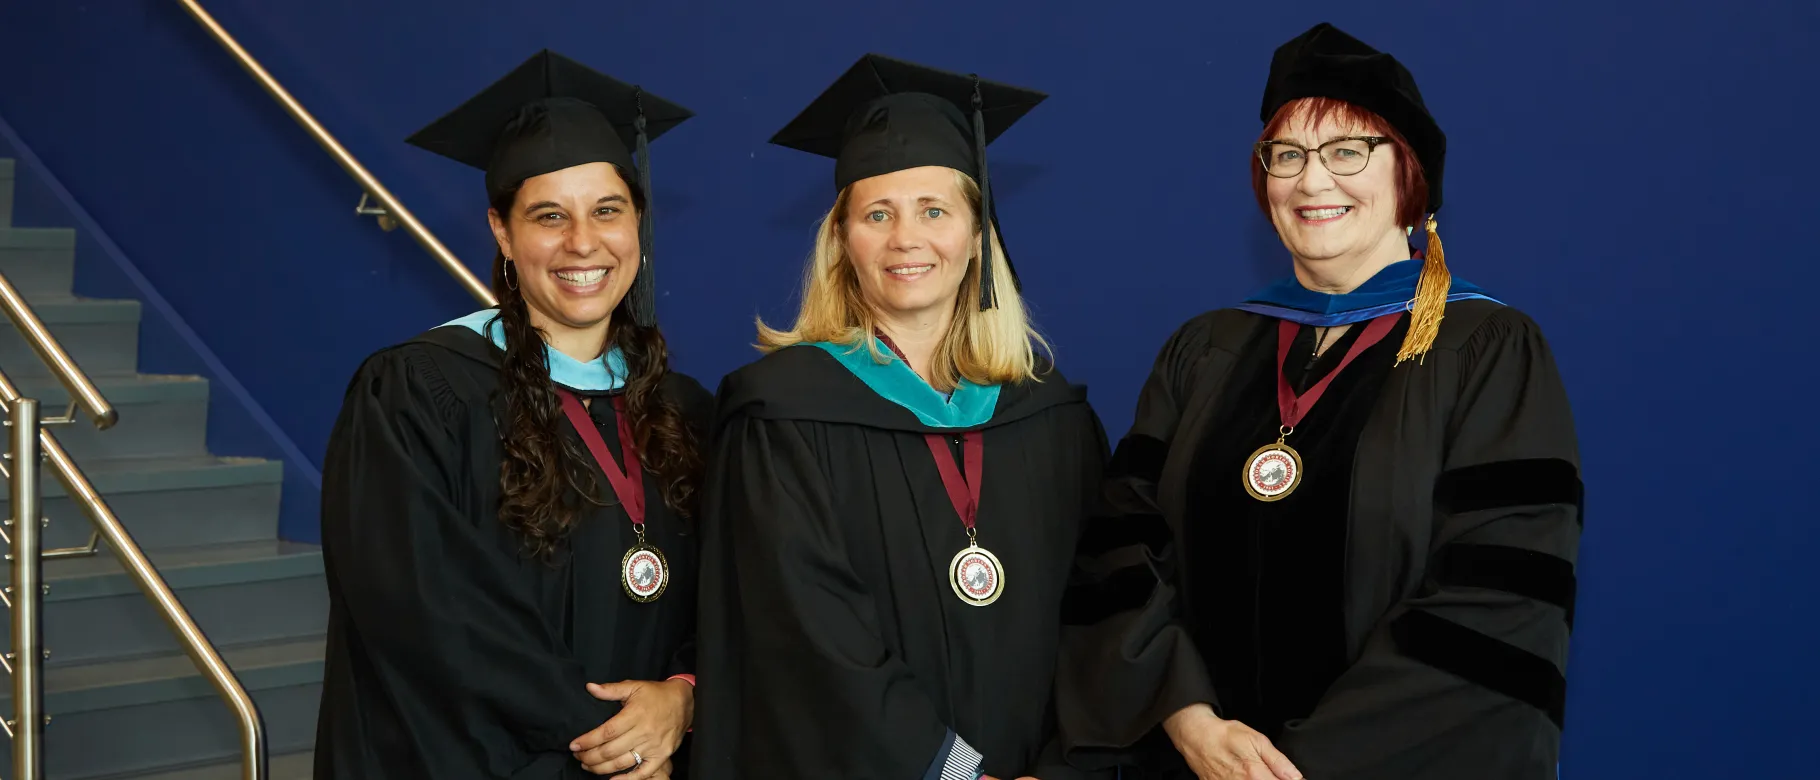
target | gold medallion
[
  {"x": 977, "y": 576},
  {"x": 645, "y": 572},
  {"x": 1273, "y": 472}
]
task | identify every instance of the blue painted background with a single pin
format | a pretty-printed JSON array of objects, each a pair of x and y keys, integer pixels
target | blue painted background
[{"x": 1636, "y": 176}]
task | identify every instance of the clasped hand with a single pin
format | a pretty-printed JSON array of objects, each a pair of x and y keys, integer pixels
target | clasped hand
[
  {"x": 650, "y": 726},
  {"x": 1219, "y": 749}
]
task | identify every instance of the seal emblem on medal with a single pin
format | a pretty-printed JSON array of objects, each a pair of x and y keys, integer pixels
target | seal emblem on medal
[
  {"x": 977, "y": 576},
  {"x": 644, "y": 573},
  {"x": 1273, "y": 472}
]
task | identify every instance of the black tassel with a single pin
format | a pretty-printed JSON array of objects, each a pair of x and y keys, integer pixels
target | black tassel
[
  {"x": 988, "y": 296},
  {"x": 1017, "y": 282},
  {"x": 644, "y": 286}
]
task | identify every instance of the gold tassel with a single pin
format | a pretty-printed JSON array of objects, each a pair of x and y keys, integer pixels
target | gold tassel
[{"x": 1430, "y": 303}]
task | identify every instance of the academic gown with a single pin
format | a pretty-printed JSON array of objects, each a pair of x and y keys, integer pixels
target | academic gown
[
  {"x": 832, "y": 642},
  {"x": 1403, "y": 615},
  {"x": 451, "y": 653}
]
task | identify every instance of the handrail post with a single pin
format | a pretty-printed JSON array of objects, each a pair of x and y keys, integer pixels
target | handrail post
[
  {"x": 254, "y": 763},
  {"x": 28, "y": 642}
]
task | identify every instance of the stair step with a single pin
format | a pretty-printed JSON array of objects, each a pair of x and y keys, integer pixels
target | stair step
[
  {"x": 130, "y": 389},
  {"x": 71, "y": 690},
  {"x": 6, "y": 193},
  {"x": 86, "y": 311},
  {"x": 168, "y": 503},
  {"x": 237, "y": 593},
  {"x": 133, "y": 475},
  {"x": 160, "y": 416},
  {"x": 126, "y": 702},
  {"x": 102, "y": 336},
  {"x": 290, "y": 766},
  {"x": 39, "y": 262},
  {"x": 159, "y": 713}
]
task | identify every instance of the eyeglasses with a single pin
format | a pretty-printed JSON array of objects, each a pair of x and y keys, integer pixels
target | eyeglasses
[{"x": 1341, "y": 156}]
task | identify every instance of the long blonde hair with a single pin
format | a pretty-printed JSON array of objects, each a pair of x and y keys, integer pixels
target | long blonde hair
[{"x": 995, "y": 346}]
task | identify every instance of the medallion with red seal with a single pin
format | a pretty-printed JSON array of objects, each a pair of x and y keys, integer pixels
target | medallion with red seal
[
  {"x": 644, "y": 572},
  {"x": 1273, "y": 472},
  {"x": 977, "y": 576}
]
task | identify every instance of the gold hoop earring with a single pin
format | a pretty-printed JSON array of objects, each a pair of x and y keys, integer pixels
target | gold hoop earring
[{"x": 511, "y": 275}]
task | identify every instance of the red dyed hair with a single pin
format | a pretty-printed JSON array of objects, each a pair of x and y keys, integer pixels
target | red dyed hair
[{"x": 1412, "y": 186}]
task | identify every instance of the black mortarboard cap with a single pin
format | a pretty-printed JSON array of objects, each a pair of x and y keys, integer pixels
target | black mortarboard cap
[
  {"x": 551, "y": 113},
  {"x": 1326, "y": 62},
  {"x": 886, "y": 115}
]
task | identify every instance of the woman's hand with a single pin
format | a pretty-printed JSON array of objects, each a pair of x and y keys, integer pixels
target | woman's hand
[
  {"x": 1218, "y": 749},
  {"x": 652, "y": 722}
]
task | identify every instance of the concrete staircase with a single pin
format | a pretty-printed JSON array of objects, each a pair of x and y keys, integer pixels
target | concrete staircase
[{"x": 124, "y": 699}]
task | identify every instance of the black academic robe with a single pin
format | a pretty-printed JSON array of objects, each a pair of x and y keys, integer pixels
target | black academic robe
[
  {"x": 832, "y": 642},
  {"x": 451, "y": 653},
  {"x": 1425, "y": 599}
]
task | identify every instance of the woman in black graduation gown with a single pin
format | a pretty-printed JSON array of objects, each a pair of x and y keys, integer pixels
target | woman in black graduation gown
[
  {"x": 1345, "y": 528},
  {"x": 887, "y": 540},
  {"x": 510, "y": 597}
]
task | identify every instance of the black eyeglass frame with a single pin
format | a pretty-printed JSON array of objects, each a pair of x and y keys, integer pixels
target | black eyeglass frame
[{"x": 1372, "y": 142}]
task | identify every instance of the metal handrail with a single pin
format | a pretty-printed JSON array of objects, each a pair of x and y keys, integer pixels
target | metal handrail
[
  {"x": 133, "y": 560},
  {"x": 393, "y": 208},
  {"x": 81, "y": 390},
  {"x": 27, "y": 661}
]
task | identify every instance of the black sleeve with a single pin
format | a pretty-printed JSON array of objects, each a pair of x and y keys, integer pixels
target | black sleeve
[
  {"x": 1470, "y": 671},
  {"x": 683, "y": 660},
  {"x": 429, "y": 596},
  {"x": 1053, "y": 763},
  {"x": 1126, "y": 662},
  {"x": 697, "y": 406},
  {"x": 796, "y": 680}
]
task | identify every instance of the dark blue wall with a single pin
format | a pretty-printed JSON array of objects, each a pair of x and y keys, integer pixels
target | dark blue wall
[{"x": 1634, "y": 175}]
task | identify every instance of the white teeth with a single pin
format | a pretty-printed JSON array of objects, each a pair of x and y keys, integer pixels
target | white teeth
[
  {"x": 910, "y": 271},
  {"x": 583, "y": 278},
  {"x": 1323, "y": 213}
]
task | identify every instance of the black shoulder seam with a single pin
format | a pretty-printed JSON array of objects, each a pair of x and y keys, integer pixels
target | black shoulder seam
[
  {"x": 1499, "y": 330},
  {"x": 423, "y": 366},
  {"x": 1225, "y": 330},
  {"x": 1463, "y": 321}
]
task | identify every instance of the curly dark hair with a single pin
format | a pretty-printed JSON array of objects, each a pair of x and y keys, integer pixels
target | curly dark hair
[{"x": 544, "y": 476}]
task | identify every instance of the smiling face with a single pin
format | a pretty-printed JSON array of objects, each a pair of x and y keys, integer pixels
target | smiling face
[
  {"x": 572, "y": 237},
  {"x": 1336, "y": 222},
  {"x": 910, "y": 237}
]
